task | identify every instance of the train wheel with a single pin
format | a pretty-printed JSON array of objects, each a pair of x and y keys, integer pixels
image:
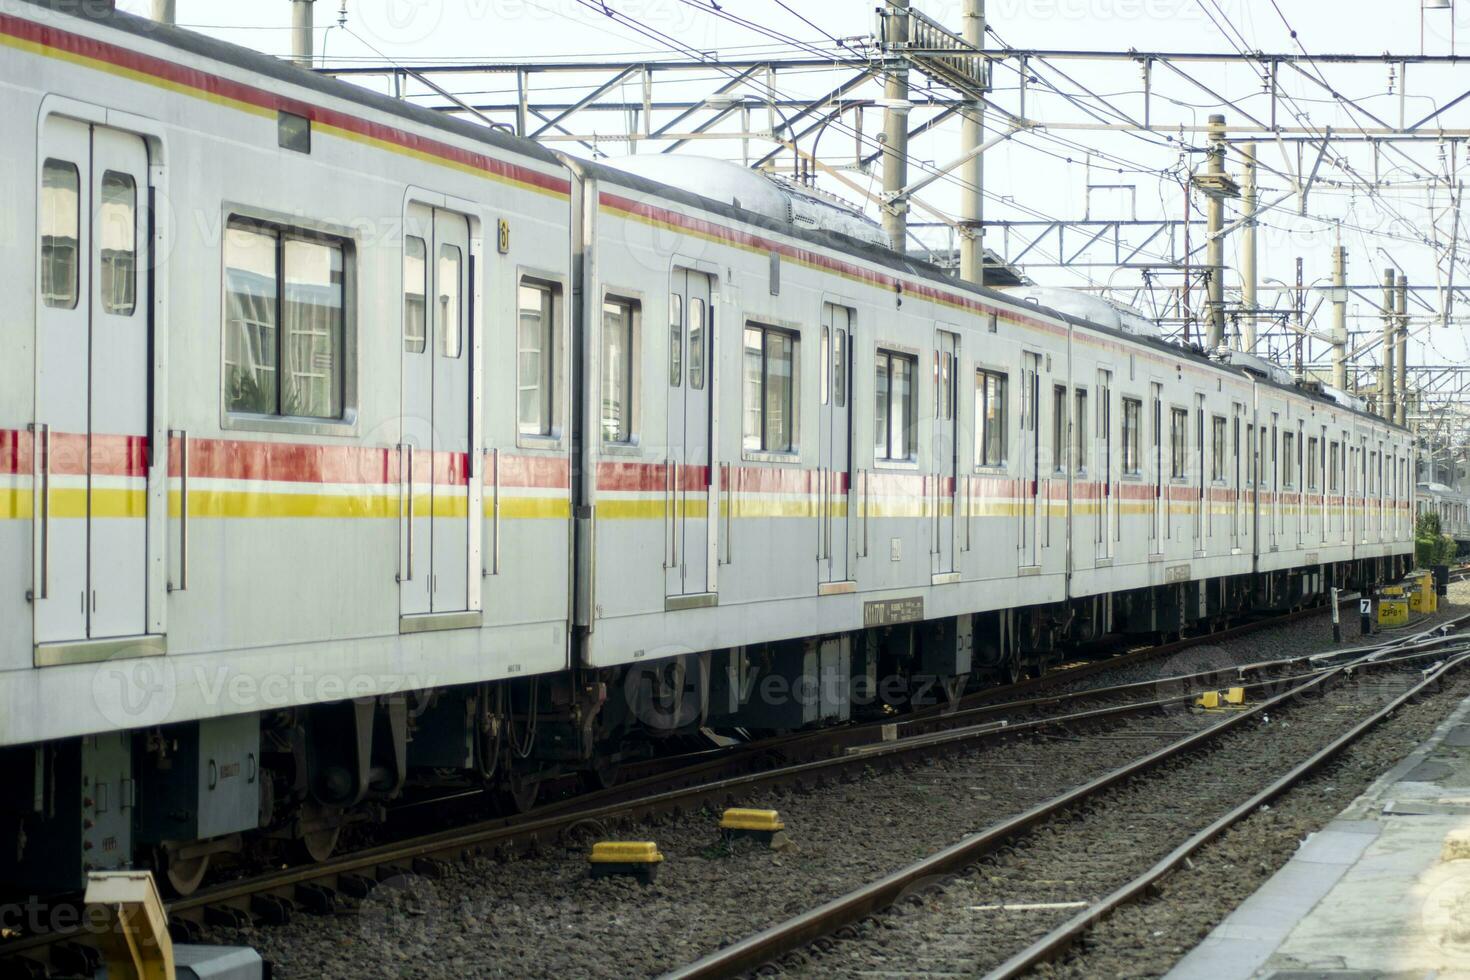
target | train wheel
[{"x": 184, "y": 875}]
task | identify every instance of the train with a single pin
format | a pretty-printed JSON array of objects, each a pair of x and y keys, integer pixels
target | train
[
  {"x": 1453, "y": 508},
  {"x": 350, "y": 450}
]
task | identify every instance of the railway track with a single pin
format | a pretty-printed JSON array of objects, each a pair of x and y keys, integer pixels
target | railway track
[
  {"x": 1445, "y": 654},
  {"x": 726, "y": 777}
]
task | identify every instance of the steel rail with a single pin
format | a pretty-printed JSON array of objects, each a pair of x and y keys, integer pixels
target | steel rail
[
  {"x": 557, "y": 819},
  {"x": 766, "y": 945},
  {"x": 1056, "y": 942}
]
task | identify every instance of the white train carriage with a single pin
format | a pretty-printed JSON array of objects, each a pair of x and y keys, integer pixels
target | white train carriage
[
  {"x": 257, "y": 455},
  {"x": 350, "y": 446}
]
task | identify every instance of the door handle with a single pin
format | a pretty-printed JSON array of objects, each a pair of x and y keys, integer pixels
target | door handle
[
  {"x": 183, "y": 436},
  {"x": 408, "y": 549},
  {"x": 41, "y": 503},
  {"x": 495, "y": 513}
]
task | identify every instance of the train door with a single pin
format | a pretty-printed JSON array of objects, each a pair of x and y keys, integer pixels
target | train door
[
  {"x": 946, "y": 450},
  {"x": 835, "y": 436},
  {"x": 1156, "y": 522},
  {"x": 435, "y": 455},
  {"x": 1104, "y": 457},
  {"x": 1201, "y": 502},
  {"x": 1030, "y": 455},
  {"x": 691, "y": 378},
  {"x": 92, "y": 390},
  {"x": 1235, "y": 484}
]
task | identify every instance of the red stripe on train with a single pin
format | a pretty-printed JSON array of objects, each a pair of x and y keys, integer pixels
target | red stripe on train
[{"x": 202, "y": 81}]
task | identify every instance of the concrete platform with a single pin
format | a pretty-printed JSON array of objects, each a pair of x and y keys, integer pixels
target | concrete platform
[{"x": 1382, "y": 891}]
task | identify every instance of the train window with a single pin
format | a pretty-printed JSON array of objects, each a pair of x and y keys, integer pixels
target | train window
[
  {"x": 1178, "y": 442},
  {"x": 839, "y": 367},
  {"x": 618, "y": 369},
  {"x": 1132, "y": 436},
  {"x": 450, "y": 307},
  {"x": 1311, "y": 466},
  {"x": 676, "y": 340},
  {"x": 535, "y": 356},
  {"x": 1079, "y": 432},
  {"x": 1059, "y": 428},
  {"x": 771, "y": 394},
  {"x": 946, "y": 386},
  {"x": 1217, "y": 448},
  {"x": 698, "y": 321},
  {"x": 117, "y": 231},
  {"x": 824, "y": 366},
  {"x": 990, "y": 418},
  {"x": 60, "y": 230},
  {"x": 298, "y": 328},
  {"x": 1288, "y": 459},
  {"x": 311, "y": 339},
  {"x": 895, "y": 423},
  {"x": 1334, "y": 480},
  {"x": 415, "y": 291}
]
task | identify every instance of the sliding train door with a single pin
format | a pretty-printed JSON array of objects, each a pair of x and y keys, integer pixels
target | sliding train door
[
  {"x": 434, "y": 457},
  {"x": 91, "y": 438},
  {"x": 691, "y": 556}
]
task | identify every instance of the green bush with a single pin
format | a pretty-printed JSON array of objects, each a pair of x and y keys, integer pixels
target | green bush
[{"x": 1431, "y": 545}]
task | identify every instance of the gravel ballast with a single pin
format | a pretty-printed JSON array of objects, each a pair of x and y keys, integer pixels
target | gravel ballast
[{"x": 543, "y": 916}]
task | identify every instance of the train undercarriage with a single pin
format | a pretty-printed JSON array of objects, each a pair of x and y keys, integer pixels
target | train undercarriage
[{"x": 287, "y": 783}]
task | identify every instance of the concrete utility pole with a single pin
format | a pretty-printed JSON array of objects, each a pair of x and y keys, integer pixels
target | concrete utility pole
[
  {"x": 1215, "y": 252},
  {"x": 896, "y": 134},
  {"x": 1339, "y": 318},
  {"x": 1248, "y": 280},
  {"x": 1385, "y": 375},
  {"x": 301, "y": 32},
  {"x": 972, "y": 134},
  {"x": 1401, "y": 351},
  {"x": 163, "y": 12}
]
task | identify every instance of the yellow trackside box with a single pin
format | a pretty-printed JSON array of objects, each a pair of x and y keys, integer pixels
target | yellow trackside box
[
  {"x": 1393, "y": 611},
  {"x": 640, "y": 859}
]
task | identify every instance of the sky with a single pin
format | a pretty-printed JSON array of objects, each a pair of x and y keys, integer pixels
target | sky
[{"x": 1036, "y": 175}]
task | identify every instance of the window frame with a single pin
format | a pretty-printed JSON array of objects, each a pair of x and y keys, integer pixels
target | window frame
[
  {"x": 891, "y": 352},
  {"x": 1178, "y": 444},
  {"x": 1081, "y": 435},
  {"x": 1219, "y": 436},
  {"x": 42, "y": 265},
  {"x": 556, "y": 283},
  {"x": 1061, "y": 429},
  {"x": 134, "y": 276},
  {"x": 349, "y": 423},
  {"x": 793, "y": 454},
  {"x": 632, "y": 300},
  {"x": 1132, "y": 438},
  {"x": 983, "y": 377}
]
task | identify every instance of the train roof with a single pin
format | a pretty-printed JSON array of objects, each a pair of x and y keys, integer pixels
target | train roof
[{"x": 102, "y": 12}]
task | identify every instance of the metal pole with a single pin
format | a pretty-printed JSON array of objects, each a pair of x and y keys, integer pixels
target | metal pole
[
  {"x": 1401, "y": 353},
  {"x": 301, "y": 32},
  {"x": 1339, "y": 318},
  {"x": 1385, "y": 374},
  {"x": 1248, "y": 280},
  {"x": 163, "y": 12},
  {"x": 1299, "y": 312},
  {"x": 1215, "y": 212},
  {"x": 896, "y": 133},
  {"x": 972, "y": 134}
]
